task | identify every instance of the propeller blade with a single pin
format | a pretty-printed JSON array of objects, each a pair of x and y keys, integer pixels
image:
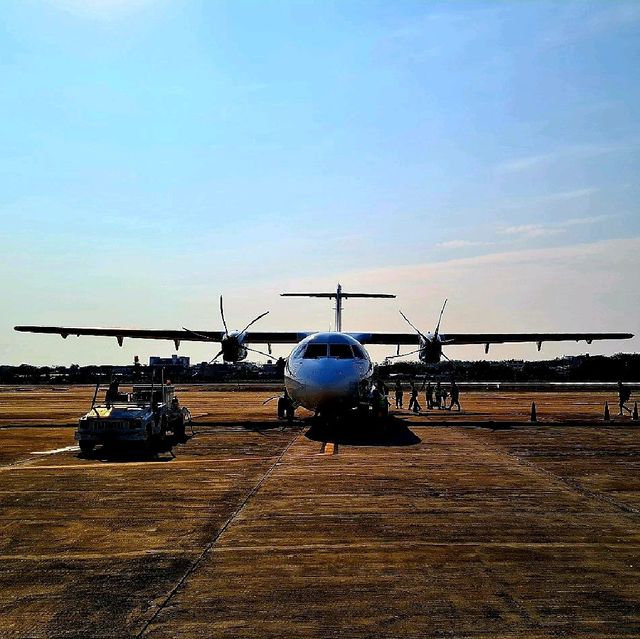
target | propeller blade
[
  {"x": 406, "y": 319},
  {"x": 199, "y": 335},
  {"x": 254, "y": 321},
  {"x": 440, "y": 319},
  {"x": 224, "y": 323},
  {"x": 253, "y": 350},
  {"x": 403, "y": 354},
  {"x": 215, "y": 358}
]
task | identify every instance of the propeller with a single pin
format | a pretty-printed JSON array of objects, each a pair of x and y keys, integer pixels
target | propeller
[
  {"x": 229, "y": 341},
  {"x": 427, "y": 340}
]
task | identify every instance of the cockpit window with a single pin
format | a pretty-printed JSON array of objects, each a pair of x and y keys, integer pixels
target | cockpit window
[
  {"x": 314, "y": 351},
  {"x": 341, "y": 351},
  {"x": 358, "y": 351},
  {"x": 297, "y": 351}
]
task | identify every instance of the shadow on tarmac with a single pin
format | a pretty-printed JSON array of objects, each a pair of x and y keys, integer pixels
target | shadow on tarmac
[
  {"x": 127, "y": 453},
  {"x": 393, "y": 431}
]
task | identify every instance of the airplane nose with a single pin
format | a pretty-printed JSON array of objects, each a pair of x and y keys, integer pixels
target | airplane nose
[{"x": 329, "y": 384}]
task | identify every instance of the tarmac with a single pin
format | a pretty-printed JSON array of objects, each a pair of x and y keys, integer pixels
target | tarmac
[{"x": 479, "y": 524}]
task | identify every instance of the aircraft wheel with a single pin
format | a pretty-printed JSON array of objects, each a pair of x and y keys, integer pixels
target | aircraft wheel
[{"x": 290, "y": 413}]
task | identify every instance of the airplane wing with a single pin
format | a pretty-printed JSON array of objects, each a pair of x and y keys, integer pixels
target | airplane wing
[
  {"x": 256, "y": 337},
  {"x": 503, "y": 338},
  {"x": 451, "y": 339},
  {"x": 293, "y": 337}
]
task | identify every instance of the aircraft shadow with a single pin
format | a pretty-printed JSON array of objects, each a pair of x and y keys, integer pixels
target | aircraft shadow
[{"x": 393, "y": 431}]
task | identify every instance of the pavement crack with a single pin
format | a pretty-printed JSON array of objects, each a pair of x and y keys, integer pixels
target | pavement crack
[{"x": 209, "y": 547}]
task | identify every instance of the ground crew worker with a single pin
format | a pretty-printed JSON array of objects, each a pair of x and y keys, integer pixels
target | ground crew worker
[
  {"x": 624, "y": 393},
  {"x": 384, "y": 401},
  {"x": 287, "y": 405},
  {"x": 413, "y": 400},
  {"x": 375, "y": 399},
  {"x": 455, "y": 396},
  {"x": 112, "y": 393},
  {"x": 428, "y": 395},
  {"x": 399, "y": 394},
  {"x": 438, "y": 393}
]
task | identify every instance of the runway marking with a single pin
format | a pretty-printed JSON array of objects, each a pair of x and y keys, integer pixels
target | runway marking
[
  {"x": 423, "y": 544},
  {"x": 526, "y": 545},
  {"x": 55, "y": 450},
  {"x": 76, "y": 556},
  {"x": 80, "y": 466}
]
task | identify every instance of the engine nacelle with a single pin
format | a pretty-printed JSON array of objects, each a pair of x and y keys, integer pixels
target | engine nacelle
[
  {"x": 430, "y": 351},
  {"x": 232, "y": 348}
]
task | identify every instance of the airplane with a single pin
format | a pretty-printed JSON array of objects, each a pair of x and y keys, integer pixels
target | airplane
[{"x": 328, "y": 373}]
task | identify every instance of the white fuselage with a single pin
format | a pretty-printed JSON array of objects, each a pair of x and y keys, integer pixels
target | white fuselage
[{"x": 328, "y": 373}]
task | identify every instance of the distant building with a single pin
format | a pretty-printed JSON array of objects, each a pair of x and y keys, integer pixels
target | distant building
[{"x": 174, "y": 360}]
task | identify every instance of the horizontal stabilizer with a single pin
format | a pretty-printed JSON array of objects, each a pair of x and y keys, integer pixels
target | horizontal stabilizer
[{"x": 333, "y": 295}]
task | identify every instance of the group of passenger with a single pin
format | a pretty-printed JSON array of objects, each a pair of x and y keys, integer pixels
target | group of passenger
[{"x": 435, "y": 397}]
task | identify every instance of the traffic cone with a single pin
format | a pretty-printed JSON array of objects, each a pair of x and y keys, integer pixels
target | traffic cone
[
  {"x": 607, "y": 417},
  {"x": 534, "y": 415},
  {"x": 634, "y": 416}
]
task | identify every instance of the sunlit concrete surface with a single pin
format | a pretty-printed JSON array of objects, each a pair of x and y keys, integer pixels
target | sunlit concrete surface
[{"x": 473, "y": 525}]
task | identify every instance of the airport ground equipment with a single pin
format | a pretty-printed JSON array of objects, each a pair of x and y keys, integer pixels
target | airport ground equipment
[{"x": 146, "y": 415}]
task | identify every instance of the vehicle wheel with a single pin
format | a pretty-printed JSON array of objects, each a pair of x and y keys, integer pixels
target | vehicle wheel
[
  {"x": 178, "y": 428},
  {"x": 162, "y": 435},
  {"x": 87, "y": 447}
]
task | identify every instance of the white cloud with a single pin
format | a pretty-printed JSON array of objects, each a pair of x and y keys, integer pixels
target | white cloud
[
  {"x": 460, "y": 244},
  {"x": 576, "y": 152},
  {"x": 531, "y": 230},
  {"x": 562, "y": 196},
  {"x": 540, "y": 230}
]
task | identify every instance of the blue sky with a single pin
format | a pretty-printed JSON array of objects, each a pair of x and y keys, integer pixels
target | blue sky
[{"x": 155, "y": 153}]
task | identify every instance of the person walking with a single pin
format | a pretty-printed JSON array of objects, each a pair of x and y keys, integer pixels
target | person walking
[
  {"x": 413, "y": 400},
  {"x": 624, "y": 394},
  {"x": 399, "y": 394},
  {"x": 438, "y": 395},
  {"x": 428, "y": 395},
  {"x": 455, "y": 396}
]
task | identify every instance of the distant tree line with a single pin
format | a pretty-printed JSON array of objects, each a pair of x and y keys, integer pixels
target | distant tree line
[
  {"x": 581, "y": 368},
  {"x": 75, "y": 374}
]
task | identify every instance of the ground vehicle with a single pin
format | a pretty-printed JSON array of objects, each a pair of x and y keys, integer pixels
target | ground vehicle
[{"x": 145, "y": 415}]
